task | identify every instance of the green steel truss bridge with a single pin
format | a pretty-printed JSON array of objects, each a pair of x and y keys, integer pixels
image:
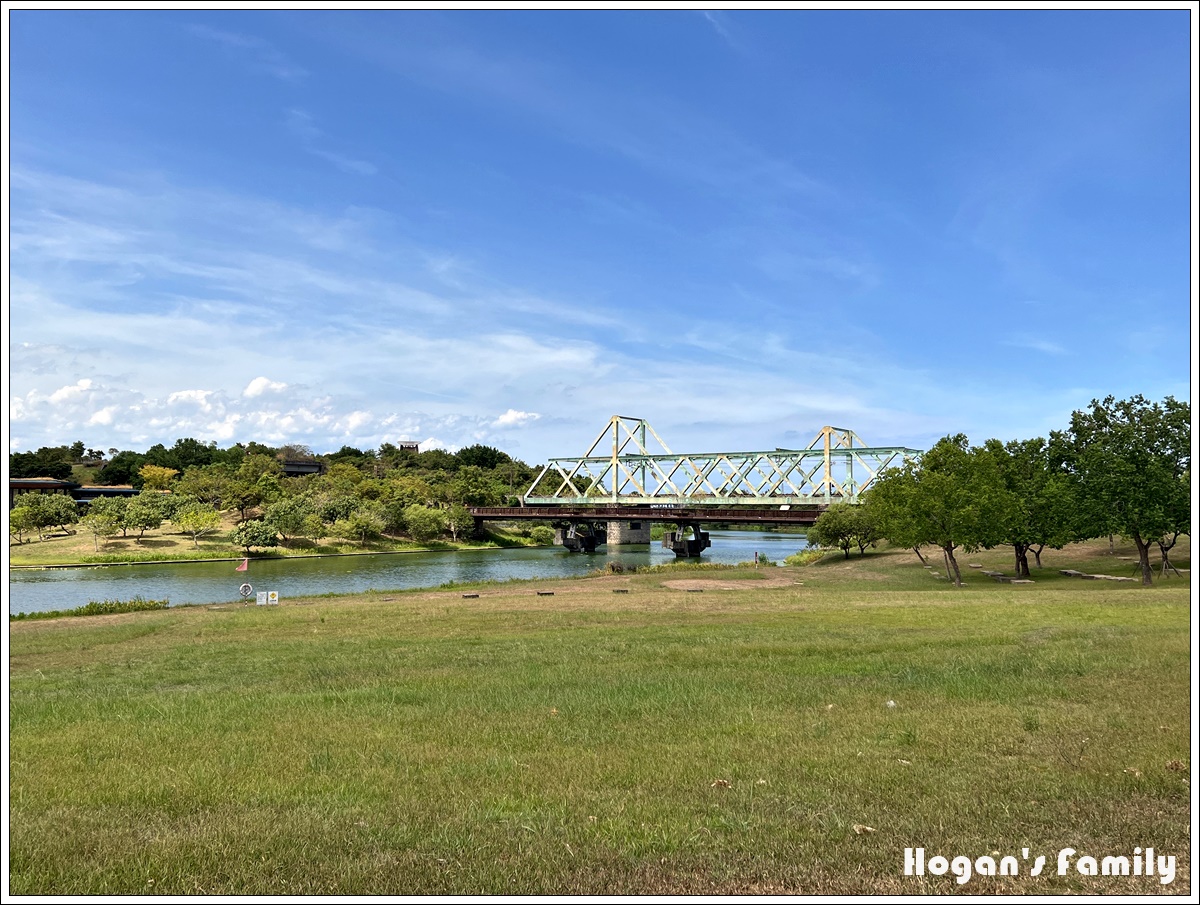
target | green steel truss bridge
[
  {"x": 622, "y": 467},
  {"x": 629, "y": 478}
]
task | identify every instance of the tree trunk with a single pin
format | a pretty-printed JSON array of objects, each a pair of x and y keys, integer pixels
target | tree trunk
[
  {"x": 917, "y": 550},
  {"x": 1037, "y": 554},
  {"x": 1020, "y": 552},
  {"x": 1111, "y": 548},
  {"x": 1143, "y": 548},
  {"x": 952, "y": 565}
]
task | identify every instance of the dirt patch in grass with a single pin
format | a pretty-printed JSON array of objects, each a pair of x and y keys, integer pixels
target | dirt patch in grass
[{"x": 719, "y": 584}]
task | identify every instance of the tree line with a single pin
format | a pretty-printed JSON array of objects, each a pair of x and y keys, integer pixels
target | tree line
[
  {"x": 1122, "y": 467},
  {"x": 360, "y": 496}
]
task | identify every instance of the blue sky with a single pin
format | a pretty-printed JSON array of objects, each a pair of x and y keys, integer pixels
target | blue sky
[{"x": 495, "y": 227}]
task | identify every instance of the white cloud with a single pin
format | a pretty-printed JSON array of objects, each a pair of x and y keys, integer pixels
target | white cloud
[
  {"x": 198, "y": 398},
  {"x": 260, "y": 385},
  {"x": 513, "y": 418},
  {"x": 71, "y": 392}
]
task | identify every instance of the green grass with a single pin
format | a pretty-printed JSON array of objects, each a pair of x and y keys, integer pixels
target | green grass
[{"x": 650, "y": 742}]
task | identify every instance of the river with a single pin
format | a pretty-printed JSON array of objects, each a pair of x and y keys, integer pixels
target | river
[{"x": 40, "y": 590}]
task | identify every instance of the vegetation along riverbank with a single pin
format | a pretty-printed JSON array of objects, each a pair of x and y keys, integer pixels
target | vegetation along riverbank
[{"x": 773, "y": 730}]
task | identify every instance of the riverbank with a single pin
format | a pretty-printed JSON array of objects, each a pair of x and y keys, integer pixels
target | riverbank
[
  {"x": 253, "y": 559},
  {"x": 770, "y": 731},
  {"x": 163, "y": 545}
]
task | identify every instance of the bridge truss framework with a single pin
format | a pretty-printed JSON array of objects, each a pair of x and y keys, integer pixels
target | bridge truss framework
[{"x": 835, "y": 467}]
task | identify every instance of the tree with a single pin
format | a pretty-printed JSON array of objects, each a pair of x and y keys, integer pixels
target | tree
[
  {"x": 459, "y": 520},
  {"x": 197, "y": 519},
  {"x": 60, "y": 510},
  {"x": 113, "y": 508},
  {"x": 39, "y": 511},
  {"x": 122, "y": 468},
  {"x": 485, "y": 457},
  {"x": 207, "y": 483},
  {"x": 288, "y": 516},
  {"x": 101, "y": 524},
  {"x": 156, "y": 477},
  {"x": 1127, "y": 460},
  {"x": 144, "y": 511},
  {"x": 423, "y": 523},
  {"x": 362, "y": 525},
  {"x": 953, "y": 496},
  {"x": 834, "y": 528},
  {"x": 1042, "y": 502},
  {"x": 254, "y": 533},
  {"x": 191, "y": 453},
  {"x": 47, "y": 462},
  {"x": 20, "y": 522},
  {"x": 472, "y": 486}
]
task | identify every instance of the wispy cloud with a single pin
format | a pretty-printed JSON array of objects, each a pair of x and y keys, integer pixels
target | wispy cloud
[
  {"x": 1037, "y": 344},
  {"x": 303, "y": 125},
  {"x": 260, "y": 54}
]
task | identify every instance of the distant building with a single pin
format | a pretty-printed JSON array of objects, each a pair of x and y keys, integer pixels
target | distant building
[
  {"x": 19, "y": 486},
  {"x": 294, "y": 468},
  {"x": 81, "y": 495}
]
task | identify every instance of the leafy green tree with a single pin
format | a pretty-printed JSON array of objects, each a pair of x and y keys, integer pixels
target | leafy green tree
[
  {"x": 206, "y": 483},
  {"x": 78, "y": 448},
  {"x": 144, "y": 512},
  {"x": 333, "y": 507},
  {"x": 243, "y": 495},
  {"x": 48, "y": 462},
  {"x": 20, "y": 522},
  {"x": 113, "y": 508},
  {"x": 459, "y": 520},
  {"x": 1127, "y": 460},
  {"x": 47, "y": 510},
  {"x": 423, "y": 523},
  {"x": 101, "y": 524},
  {"x": 254, "y": 533},
  {"x": 197, "y": 519},
  {"x": 437, "y": 460},
  {"x": 362, "y": 525},
  {"x": 191, "y": 453},
  {"x": 485, "y": 457},
  {"x": 472, "y": 486},
  {"x": 122, "y": 468},
  {"x": 313, "y": 527},
  {"x": 952, "y": 496},
  {"x": 845, "y": 525},
  {"x": 1043, "y": 506},
  {"x": 288, "y": 516}
]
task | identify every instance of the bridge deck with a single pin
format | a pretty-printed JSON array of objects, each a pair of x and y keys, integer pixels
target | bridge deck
[{"x": 766, "y": 515}]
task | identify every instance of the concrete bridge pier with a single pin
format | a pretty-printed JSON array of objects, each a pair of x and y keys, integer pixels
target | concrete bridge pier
[
  {"x": 682, "y": 546},
  {"x": 628, "y": 532},
  {"x": 579, "y": 537}
]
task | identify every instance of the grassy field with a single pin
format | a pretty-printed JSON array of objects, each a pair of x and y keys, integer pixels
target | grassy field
[
  {"x": 729, "y": 731},
  {"x": 166, "y": 543}
]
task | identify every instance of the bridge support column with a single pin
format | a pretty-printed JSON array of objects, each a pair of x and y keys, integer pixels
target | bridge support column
[
  {"x": 682, "y": 546},
  {"x": 579, "y": 537},
  {"x": 628, "y": 532}
]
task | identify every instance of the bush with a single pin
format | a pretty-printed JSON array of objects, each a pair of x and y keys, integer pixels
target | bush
[
  {"x": 806, "y": 557},
  {"x": 101, "y": 608},
  {"x": 542, "y": 535}
]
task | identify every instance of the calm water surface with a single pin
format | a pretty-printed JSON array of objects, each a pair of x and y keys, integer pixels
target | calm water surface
[{"x": 63, "y": 589}]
